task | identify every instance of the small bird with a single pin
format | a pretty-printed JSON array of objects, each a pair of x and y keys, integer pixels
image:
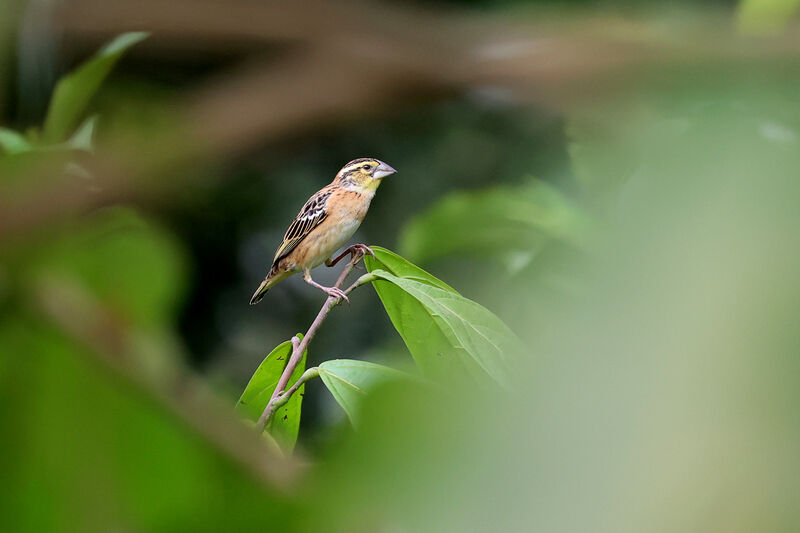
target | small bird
[{"x": 324, "y": 224}]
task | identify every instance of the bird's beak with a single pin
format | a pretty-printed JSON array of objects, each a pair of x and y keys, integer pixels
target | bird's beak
[{"x": 382, "y": 171}]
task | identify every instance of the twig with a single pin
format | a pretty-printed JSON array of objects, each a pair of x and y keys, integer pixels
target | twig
[
  {"x": 299, "y": 347},
  {"x": 364, "y": 279},
  {"x": 282, "y": 399}
]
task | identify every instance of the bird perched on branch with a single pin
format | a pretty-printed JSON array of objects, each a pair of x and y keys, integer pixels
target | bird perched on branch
[{"x": 324, "y": 224}]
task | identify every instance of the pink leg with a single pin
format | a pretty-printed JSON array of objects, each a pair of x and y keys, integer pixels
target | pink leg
[
  {"x": 357, "y": 251},
  {"x": 333, "y": 292}
]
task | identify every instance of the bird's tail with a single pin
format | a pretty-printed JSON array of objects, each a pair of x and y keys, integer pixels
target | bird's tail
[{"x": 272, "y": 278}]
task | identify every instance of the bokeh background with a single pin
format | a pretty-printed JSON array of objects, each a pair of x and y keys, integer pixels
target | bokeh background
[{"x": 617, "y": 181}]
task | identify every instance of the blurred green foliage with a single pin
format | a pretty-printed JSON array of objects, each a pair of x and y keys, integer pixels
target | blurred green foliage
[
  {"x": 651, "y": 284},
  {"x": 70, "y": 99},
  {"x": 73, "y": 92},
  {"x": 119, "y": 258},
  {"x": 765, "y": 17},
  {"x": 498, "y": 222},
  {"x": 84, "y": 451}
]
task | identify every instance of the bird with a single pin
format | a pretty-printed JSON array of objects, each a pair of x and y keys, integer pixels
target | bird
[{"x": 325, "y": 223}]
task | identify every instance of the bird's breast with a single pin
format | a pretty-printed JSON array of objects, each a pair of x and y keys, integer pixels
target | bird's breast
[{"x": 343, "y": 220}]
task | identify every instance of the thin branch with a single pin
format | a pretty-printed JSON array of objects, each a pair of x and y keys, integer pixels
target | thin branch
[
  {"x": 282, "y": 399},
  {"x": 299, "y": 347},
  {"x": 364, "y": 279}
]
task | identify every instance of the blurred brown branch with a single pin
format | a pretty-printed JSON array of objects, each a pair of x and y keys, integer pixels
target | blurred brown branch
[{"x": 309, "y": 65}]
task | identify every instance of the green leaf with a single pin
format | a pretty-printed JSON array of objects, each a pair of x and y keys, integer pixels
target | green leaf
[
  {"x": 75, "y": 90},
  {"x": 285, "y": 422},
  {"x": 83, "y": 138},
  {"x": 391, "y": 262},
  {"x": 350, "y": 381},
  {"x": 13, "y": 142},
  {"x": 491, "y": 221},
  {"x": 433, "y": 353},
  {"x": 449, "y": 336}
]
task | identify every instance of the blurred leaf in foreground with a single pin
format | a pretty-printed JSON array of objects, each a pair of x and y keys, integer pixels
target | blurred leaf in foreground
[
  {"x": 664, "y": 394},
  {"x": 129, "y": 263},
  {"x": 92, "y": 453}
]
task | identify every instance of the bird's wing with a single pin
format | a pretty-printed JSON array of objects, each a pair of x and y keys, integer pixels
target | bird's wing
[{"x": 310, "y": 216}]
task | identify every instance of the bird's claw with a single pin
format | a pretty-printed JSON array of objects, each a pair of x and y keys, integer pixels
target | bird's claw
[
  {"x": 357, "y": 251},
  {"x": 336, "y": 292}
]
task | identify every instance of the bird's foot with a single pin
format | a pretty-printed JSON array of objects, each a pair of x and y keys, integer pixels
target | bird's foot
[
  {"x": 336, "y": 292},
  {"x": 332, "y": 292},
  {"x": 356, "y": 252}
]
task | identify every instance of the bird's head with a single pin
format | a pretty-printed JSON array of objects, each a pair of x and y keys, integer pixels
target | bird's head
[{"x": 364, "y": 173}]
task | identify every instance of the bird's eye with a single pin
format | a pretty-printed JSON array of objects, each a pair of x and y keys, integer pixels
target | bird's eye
[{"x": 365, "y": 167}]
